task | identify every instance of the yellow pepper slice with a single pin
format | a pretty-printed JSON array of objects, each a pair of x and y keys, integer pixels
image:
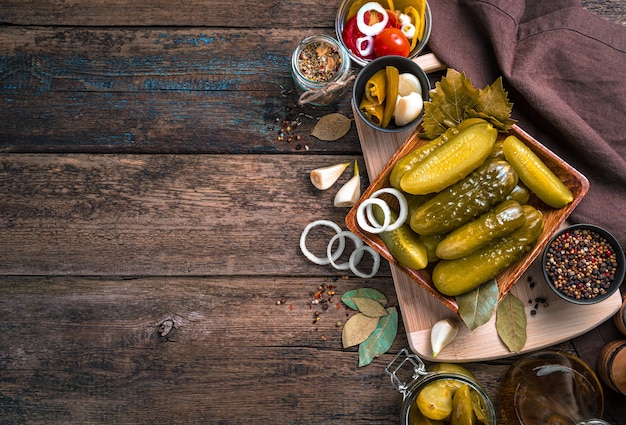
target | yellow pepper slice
[
  {"x": 391, "y": 7},
  {"x": 420, "y": 12},
  {"x": 354, "y": 8},
  {"x": 417, "y": 21},
  {"x": 373, "y": 113},
  {"x": 393, "y": 79},
  {"x": 376, "y": 88}
]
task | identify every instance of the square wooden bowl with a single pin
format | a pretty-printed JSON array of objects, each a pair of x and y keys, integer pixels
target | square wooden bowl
[{"x": 554, "y": 218}]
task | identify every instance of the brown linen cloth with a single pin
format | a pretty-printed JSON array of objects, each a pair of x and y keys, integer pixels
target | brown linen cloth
[{"x": 565, "y": 71}]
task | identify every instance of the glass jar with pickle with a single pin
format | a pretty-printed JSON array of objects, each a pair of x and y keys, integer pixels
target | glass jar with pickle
[{"x": 444, "y": 397}]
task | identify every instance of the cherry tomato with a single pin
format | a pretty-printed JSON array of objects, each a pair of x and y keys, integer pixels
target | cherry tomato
[
  {"x": 351, "y": 33},
  {"x": 391, "y": 41}
]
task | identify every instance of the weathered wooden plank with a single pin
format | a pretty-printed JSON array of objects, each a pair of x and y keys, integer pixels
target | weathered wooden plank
[
  {"x": 155, "y": 90},
  {"x": 93, "y": 351},
  {"x": 234, "y": 14},
  {"x": 162, "y": 214}
]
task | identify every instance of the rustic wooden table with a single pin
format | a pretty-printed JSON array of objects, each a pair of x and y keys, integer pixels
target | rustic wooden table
[{"x": 155, "y": 182}]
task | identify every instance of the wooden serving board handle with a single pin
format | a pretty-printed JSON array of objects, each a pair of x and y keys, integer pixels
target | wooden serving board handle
[{"x": 430, "y": 63}]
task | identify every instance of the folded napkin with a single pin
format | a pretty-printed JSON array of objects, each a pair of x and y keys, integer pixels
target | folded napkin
[{"x": 565, "y": 70}]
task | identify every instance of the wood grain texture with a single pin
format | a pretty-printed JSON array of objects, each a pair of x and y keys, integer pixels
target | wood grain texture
[
  {"x": 142, "y": 181},
  {"x": 94, "y": 351},
  {"x": 162, "y": 214},
  {"x": 155, "y": 90}
]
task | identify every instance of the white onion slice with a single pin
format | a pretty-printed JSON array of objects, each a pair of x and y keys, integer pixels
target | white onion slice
[
  {"x": 354, "y": 261},
  {"x": 341, "y": 236},
  {"x": 386, "y": 226},
  {"x": 408, "y": 30},
  {"x": 378, "y": 26},
  {"x": 376, "y": 227},
  {"x": 403, "y": 214},
  {"x": 369, "y": 45},
  {"x": 322, "y": 260}
]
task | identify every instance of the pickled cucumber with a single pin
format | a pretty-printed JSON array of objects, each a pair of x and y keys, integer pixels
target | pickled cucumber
[
  {"x": 465, "y": 200},
  {"x": 535, "y": 174},
  {"x": 452, "y": 161},
  {"x": 497, "y": 222},
  {"x": 456, "y": 277}
]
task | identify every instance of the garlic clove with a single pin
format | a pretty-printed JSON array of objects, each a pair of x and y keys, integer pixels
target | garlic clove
[
  {"x": 441, "y": 334},
  {"x": 325, "y": 177},
  {"x": 408, "y": 108},
  {"x": 349, "y": 192},
  {"x": 408, "y": 84}
]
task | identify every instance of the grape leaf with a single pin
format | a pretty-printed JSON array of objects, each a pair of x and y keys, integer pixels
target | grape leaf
[
  {"x": 381, "y": 339},
  {"x": 493, "y": 102},
  {"x": 511, "y": 323},
  {"x": 455, "y": 99},
  {"x": 371, "y": 293},
  {"x": 476, "y": 307},
  {"x": 452, "y": 96},
  {"x": 370, "y": 307},
  {"x": 357, "y": 329},
  {"x": 332, "y": 127}
]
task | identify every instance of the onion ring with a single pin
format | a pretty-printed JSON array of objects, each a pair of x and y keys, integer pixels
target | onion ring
[
  {"x": 319, "y": 260},
  {"x": 357, "y": 244},
  {"x": 353, "y": 261},
  {"x": 403, "y": 214},
  {"x": 378, "y": 26},
  {"x": 368, "y": 40},
  {"x": 377, "y": 228}
]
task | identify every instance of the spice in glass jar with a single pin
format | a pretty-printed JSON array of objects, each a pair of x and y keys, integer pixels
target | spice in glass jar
[
  {"x": 320, "y": 67},
  {"x": 319, "y": 61}
]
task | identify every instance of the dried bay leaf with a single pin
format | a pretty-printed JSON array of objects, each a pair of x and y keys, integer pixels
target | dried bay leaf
[
  {"x": 332, "y": 127},
  {"x": 511, "y": 323},
  {"x": 369, "y": 307},
  {"x": 379, "y": 341},
  {"x": 357, "y": 329},
  {"x": 348, "y": 297},
  {"x": 476, "y": 307}
]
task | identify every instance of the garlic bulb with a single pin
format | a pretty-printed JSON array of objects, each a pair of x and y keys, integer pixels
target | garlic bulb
[
  {"x": 325, "y": 177},
  {"x": 409, "y": 83},
  {"x": 408, "y": 108},
  {"x": 442, "y": 333}
]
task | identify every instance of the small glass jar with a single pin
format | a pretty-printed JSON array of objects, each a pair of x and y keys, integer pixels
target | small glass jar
[
  {"x": 438, "y": 389},
  {"x": 551, "y": 387},
  {"x": 320, "y": 67}
]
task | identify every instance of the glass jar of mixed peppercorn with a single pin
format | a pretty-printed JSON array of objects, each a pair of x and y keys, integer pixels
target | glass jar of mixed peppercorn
[{"x": 320, "y": 67}]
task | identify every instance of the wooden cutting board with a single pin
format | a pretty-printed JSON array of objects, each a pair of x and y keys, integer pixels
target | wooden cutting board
[{"x": 553, "y": 321}]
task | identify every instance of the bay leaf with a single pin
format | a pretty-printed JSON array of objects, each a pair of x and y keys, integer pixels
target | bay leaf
[
  {"x": 511, "y": 323},
  {"x": 369, "y": 307},
  {"x": 332, "y": 127},
  {"x": 476, "y": 307},
  {"x": 357, "y": 329},
  {"x": 348, "y": 297},
  {"x": 379, "y": 341}
]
